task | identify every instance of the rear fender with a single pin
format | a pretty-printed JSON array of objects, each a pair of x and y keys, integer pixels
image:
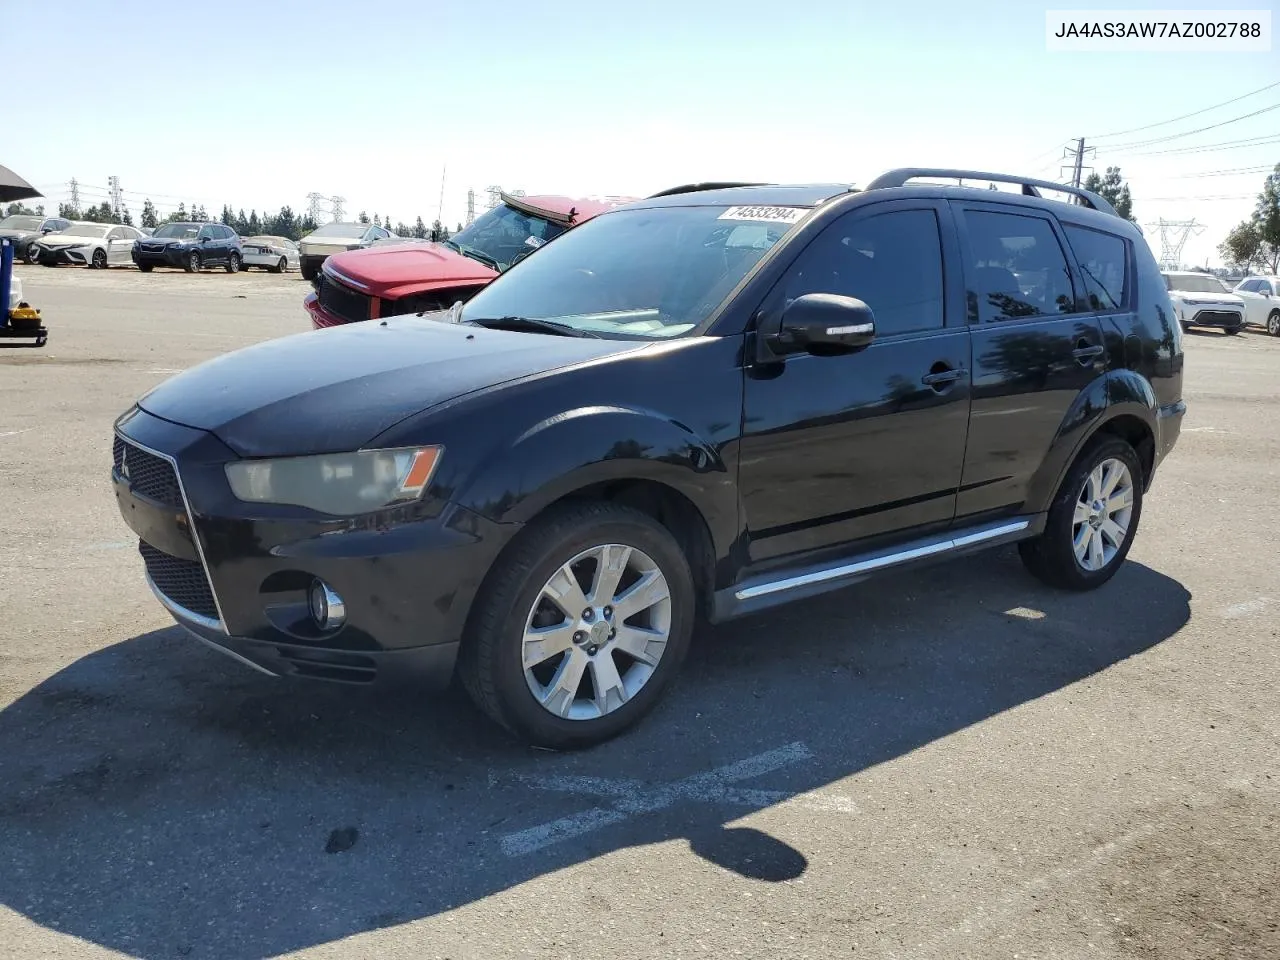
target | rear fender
[{"x": 1116, "y": 394}]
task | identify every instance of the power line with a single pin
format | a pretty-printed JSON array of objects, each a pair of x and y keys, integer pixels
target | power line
[
  {"x": 1185, "y": 116},
  {"x": 1187, "y": 133},
  {"x": 1229, "y": 172},
  {"x": 1210, "y": 148}
]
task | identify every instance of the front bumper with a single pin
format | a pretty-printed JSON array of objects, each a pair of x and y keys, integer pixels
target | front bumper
[
  {"x": 320, "y": 317},
  {"x": 168, "y": 257},
  {"x": 1228, "y": 318},
  {"x": 236, "y": 575},
  {"x": 76, "y": 256}
]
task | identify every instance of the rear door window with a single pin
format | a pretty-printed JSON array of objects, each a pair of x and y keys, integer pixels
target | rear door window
[{"x": 1016, "y": 268}]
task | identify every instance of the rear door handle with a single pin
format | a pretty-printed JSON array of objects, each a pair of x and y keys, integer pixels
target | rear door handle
[
  {"x": 1086, "y": 352},
  {"x": 940, "y": 377}
]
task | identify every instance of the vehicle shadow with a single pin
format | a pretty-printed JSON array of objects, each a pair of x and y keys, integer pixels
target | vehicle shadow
[{"x": 160, "y": 801}]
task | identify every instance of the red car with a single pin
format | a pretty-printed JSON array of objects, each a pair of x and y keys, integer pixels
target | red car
[{"x": 398, "y": 278}]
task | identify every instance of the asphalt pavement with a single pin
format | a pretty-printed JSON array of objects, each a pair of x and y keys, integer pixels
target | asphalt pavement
[{"x": 959, "y": 762}]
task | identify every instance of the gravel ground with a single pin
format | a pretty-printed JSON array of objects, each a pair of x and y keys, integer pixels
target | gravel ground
[{"x": 954, "y": 763}]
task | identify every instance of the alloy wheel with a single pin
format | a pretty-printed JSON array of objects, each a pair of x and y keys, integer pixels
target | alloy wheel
[
  {"x": 100, "y": 259},
  {"x": 596, "y": 632},
  {"x": 1273, "y": 324},
  {"x": 1102, "y": 515}
]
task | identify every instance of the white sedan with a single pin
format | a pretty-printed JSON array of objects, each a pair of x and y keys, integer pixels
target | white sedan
[
  {"x": 98, "y": 245},
  {"x": 1261, "y": 296},
  {"x": 275, "y": 254}
]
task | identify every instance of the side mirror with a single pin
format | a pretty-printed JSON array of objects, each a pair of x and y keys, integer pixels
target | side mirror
[{"x": 824, "y": 323}]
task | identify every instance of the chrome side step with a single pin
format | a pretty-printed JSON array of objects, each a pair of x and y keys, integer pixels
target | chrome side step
[{"x": 759, "y": 593}]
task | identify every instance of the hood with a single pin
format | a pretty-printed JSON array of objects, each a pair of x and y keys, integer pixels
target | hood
[
  {"x": 163, "y": 241},
  {"x": 19, "y": 234},
  {"x": 55, "y": 240},
  {"x": 401, "y": 269},
  {"x": 333, "y": 390},
  {"x": 1191, "y": 296}
]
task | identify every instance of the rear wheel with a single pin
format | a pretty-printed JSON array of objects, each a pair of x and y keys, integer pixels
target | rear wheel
[
  {"x": 279, "y": 267},
  {"x": 233, "y": 262},
  {"x": 581, "y": 625},
  {"x": 1273, "y": 323},
  {"x": 193, "y": 262},
  {"x": 1093, "y": 519}
]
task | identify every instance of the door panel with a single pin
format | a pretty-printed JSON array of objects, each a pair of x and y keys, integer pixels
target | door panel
[
  {"x": 840, "y": 448},
  {"x": 1036, "y": 347}
]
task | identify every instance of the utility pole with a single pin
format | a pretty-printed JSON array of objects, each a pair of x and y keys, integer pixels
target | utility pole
[
  {"x": 1077, "y": 155},
  {"x": 75, "y": 194},
  {"x": 313, "y": 208},
  {"x": 1173, "y": 237},
  {"x": 440, "y": 205},
  {"x": 337, "y": 207},
  {"x": 471, "y": 205}
]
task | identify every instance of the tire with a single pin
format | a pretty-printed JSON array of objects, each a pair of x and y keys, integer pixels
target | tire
[
  {"x": 99, "y": 259},
  {"x": 279, "y": 267},
  {"x": 309, "y": 271},
  {"x": 1186, "y": 327},
  {"x": 1273, "y": 323},
  {"x": 146, "y": 267},
  {"x": 1052, "y": 556},
  {"x": 1232, "y": 331},
  {"x": 31, "y": 256},
  {"x": 491, "y": 662},
  {"x": 193, "y": 263},
  {"x": 233, "y": 262}
]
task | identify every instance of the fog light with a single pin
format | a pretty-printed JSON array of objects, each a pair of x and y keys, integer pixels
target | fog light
[{"x": 327, "y": 608}]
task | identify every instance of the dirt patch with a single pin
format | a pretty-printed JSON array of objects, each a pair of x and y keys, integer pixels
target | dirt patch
[{"x": 1206, "y": 886}]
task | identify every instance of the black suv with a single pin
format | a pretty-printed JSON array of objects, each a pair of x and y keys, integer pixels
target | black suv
[
  {"x": 191, "y": 246},
  {"x": 709, "y": 402}
]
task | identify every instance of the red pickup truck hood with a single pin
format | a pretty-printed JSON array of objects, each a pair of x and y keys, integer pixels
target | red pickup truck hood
[{"x": 383, "y": 271}]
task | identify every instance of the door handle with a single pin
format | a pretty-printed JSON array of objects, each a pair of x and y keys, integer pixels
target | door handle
[
  {"x": 940, "y": 378},
  {"x": 1086, "y": 352}
]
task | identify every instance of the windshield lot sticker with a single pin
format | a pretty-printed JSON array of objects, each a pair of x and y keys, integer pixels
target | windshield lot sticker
[
  {"x": 534, "y": 242},
  {"x": 765, "y": 214}
]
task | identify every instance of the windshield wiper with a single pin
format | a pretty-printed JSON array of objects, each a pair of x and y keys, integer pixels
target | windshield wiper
[
  {"x": 484, "y": 258},
  {"x": 533, "y": 323}
]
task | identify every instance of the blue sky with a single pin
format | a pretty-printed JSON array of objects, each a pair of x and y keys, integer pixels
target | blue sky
[{"x": 257, "y": 104}]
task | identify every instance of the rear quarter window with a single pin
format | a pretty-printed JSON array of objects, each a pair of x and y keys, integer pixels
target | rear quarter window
[{"x": 1104, "y": 262}]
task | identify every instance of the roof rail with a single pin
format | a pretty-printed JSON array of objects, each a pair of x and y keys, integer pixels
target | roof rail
[
  {"x": 1030, "y": 187},
  {"x": 697, "y": 187}
]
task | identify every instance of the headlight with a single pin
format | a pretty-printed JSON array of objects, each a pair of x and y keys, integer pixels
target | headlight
[{"x": 342, "y": 484}]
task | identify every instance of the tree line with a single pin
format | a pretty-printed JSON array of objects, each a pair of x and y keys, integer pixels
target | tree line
[
  {"x": 1255, "y": 243},
  {"x": 286, "y": 223}
]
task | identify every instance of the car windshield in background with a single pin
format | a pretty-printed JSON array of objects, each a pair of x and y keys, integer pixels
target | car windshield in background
[
  {"x": 89, "y": 229},
  {"x": 646, "y": 273},
  {"x": 350, "y": 231},
  {"x": 1193, "y": 284},
  {"x": 502, "y": 234},
  {"x": 21, "y": 223},
  {"x": 179, "y": 231}
]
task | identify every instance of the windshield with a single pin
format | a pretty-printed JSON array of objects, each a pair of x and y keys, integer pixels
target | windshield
[
  {"x": 636, "y": 273},
  {"x": 21, "y": 223},
  {"x": 181, "y": 231},
  {"x": 88, "y": 230},
  {"x": 1190, "y": 283},
  {"x": 503, "y": 233},
  {"x": 347, "y": 230}
]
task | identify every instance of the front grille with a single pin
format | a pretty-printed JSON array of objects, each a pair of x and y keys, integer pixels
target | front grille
[
  {"x": 340, "y": 300},
  {"x": 152, "y": 247},
  {"x": 182, "y": 581},
  {"x": 150, "y": 476},
  {"x": 1218, "y": 318}
]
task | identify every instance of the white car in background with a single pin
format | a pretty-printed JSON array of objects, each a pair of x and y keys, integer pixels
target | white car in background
[
  {"x": 1261, "y": 296},
  {"x": 1202, "y": 300},
  {"x": 98, "y": 245},
  {"x": 318, "y": 245},
  {"x": 274, "y": 254}
]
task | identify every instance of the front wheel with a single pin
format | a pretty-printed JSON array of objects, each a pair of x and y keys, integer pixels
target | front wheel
[
  {"x": 146, "y": 267},
  {"x": 99, "y": 259},
  {"x": 1232, "y": 331},
  {"x": 193, "y": 263},
  {"x": 309, "y": 270},
  {"x": 1273, "y": 323},
  {"x": 233, "y": 262},
  {"x": 1093, "y": 519},
  {"x": 32, "y": 254},
  {"x": 580, "y": 626}
]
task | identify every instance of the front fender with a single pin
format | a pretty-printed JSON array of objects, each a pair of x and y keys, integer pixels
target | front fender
[
  {"x": 594, "y": 444},
  {"x": 1115, "y": 394}
]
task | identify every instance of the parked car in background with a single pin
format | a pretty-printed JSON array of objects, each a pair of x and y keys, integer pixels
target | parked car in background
[
  {"x": 98, "y": 245},
  {"x": 408, "y": 276},
  {"x": 273, "y": 254},
  {"x": 23, "y": 231},
  {"x": 1261, "y": 296},
  {"x": 191, "y": 246},
  {"x": 324, "y": 242},
  {"x": 1202, "y": 300}
]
